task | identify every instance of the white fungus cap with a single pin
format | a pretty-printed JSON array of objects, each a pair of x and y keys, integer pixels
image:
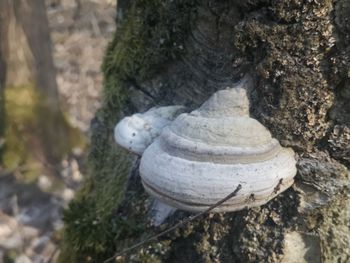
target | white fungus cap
[
  {"x": 204, "y": 155},
  {"x": 135, "y": 133}
]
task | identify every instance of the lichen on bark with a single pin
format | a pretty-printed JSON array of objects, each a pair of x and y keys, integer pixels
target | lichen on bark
[{"x": 179, "y": 52}]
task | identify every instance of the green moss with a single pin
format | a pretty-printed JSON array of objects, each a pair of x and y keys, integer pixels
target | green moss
[
  {"x": 10, "y": 256},
  {"x": 2, "y": 115},
  {"x": 151, "y": 34},
  {"x": 19, "y": 105},
  {"x": 34, "y": 134}
]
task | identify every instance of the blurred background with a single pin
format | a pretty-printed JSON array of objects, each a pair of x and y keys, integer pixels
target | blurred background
[{"x": 50, "y": 87}]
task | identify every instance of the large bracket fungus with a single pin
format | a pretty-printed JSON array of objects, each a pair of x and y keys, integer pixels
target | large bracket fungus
[{"x": 202, "y": 156}]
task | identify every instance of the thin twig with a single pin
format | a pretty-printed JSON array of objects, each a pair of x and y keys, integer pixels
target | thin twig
[{"x": 179, "y": 224}]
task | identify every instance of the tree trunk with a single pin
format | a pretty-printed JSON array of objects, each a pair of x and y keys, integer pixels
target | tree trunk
[
  {"x": 2, "y": 77},
  {"x": 36, "y": 134},
  {"x": 27, "y": 47},
  {"x": 180, "y": 52},
  {"x": 35, "y": 24}
]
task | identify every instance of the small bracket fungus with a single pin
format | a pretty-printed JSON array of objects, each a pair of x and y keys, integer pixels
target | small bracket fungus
[
  {"x": 202, "y": 156},
  {"x": 160, "y": 211},
  {"x": 138, "y": 131}
]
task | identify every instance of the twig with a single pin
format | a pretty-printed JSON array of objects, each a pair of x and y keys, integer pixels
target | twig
[{"x": 179, "y": 224}]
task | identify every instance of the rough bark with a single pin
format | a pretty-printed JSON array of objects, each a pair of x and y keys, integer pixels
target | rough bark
[{"x": 180, "y": 52}]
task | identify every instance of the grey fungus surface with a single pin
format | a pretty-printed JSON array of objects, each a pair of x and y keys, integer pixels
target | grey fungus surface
[
  {"x": 135, "y": 133},
  {"x": 204, "y": 155}
]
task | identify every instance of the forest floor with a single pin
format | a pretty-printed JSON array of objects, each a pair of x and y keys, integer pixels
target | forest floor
[{"x": 31, "y": 213}]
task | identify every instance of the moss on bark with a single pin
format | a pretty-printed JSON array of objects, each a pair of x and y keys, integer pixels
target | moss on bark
[
  {"x": 35, "y": 136},
  {"x": 150, "y": 34}
]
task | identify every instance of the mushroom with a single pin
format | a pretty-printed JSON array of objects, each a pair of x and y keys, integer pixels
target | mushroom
[
  {"x": 138, "y": 131},
  {"x": 203, "y": 156}
]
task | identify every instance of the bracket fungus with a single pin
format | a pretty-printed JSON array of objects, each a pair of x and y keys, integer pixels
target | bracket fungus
[
  {"x": 137, "y": 132},
  {"x": 202, "y": 156}
]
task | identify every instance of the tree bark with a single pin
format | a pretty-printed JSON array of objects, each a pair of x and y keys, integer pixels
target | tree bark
[{"x": 180, "y": 52}]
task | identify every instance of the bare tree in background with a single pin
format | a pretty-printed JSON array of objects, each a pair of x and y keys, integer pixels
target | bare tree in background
[
  {"x": 27, "y": 62},
  {"x": 2, "y": 74},
  {"x": 27, "y": 47}
]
